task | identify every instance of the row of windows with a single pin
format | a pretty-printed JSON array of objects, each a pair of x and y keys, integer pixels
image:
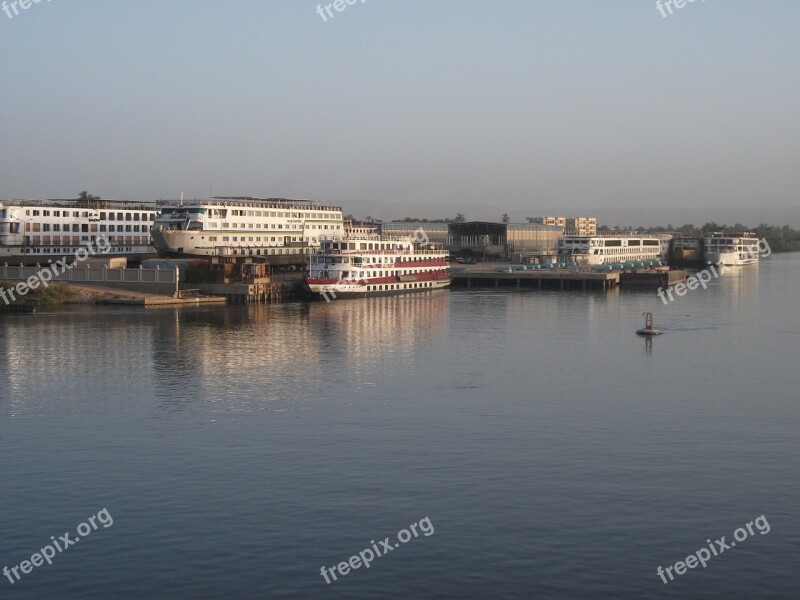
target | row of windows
[
  {"x": 369, "y": 274},
  {"x": 77, "y": 214},
  {"x": 58, "y": 240},
  {"x": 267, "y": 251},
  {"x": 357, "y": 260},
  {"x": 75, "y": 227},
  {"x": 84, "y": 228},
  {"x": 394, "y": 247},
  {"x": 289, "y": 215},
  {"x": 128, "y": 228},
  {"x": 397, "y": 286},
  {"x": 255, "y": 239},
  {"x": 128, "y": 216},
  {"x": 628, "y": 251},
  {"x": 67, "y": 250},
  {"x": 254, "y": 226}
]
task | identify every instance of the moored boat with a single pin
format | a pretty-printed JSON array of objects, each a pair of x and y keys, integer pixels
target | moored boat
[
  {"x": 376, "y": 265},
  {"x": 36, "y": 231},
  {"x": 280, "y": 231},
  {"x": 731, "y": 250}
]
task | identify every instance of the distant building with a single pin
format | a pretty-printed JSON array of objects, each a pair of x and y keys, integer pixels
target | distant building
[
  {"x": 360, "y": 228},
  {"x": 520, "y": 242},
  {"x": 570, "y": 226},
  {"x": 436, "y": 232},
  {"x": 581, "y": 226},
  {"x": 553, "y": 221}
]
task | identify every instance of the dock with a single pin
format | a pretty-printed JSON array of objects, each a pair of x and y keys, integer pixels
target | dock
[
  {"x": 564, "y": 279},
  {"x": 109, "y": 294},
  {"x": 550, "y": 279}
]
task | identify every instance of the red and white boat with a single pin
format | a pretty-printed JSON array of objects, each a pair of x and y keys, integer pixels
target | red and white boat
[{"x": 375, "y": 265}]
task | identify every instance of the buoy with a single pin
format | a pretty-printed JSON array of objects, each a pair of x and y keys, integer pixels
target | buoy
[{"x": 648, "y": 327}]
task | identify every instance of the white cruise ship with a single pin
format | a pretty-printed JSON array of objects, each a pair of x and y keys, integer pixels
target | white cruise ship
[
  {"x": 607, "y": 250},
  {"x": 33, "y": 231},
  {"x": 731, "y": 250},
  {"x": 376, "y": 265},
  {"x": 283, "y": 231}
]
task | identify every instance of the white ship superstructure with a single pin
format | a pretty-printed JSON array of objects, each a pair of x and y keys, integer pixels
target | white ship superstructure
[
  {"x": 32, "y": 231},
  {"x": 376, "y": 265},
  {"x": 607, "y": 250},
  {"x": 283, "y": 231},
  {"x": 731, "y": 250}
]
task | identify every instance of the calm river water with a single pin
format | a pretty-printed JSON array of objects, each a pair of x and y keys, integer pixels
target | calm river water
[{"x": 555, "y": 453}]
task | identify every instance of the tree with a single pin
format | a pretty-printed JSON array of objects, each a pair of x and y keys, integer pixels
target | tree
[
  {"x": 506, "y": 218},
  {"x": 87, "y": 200},
  {"x": 460, "y": 218}
]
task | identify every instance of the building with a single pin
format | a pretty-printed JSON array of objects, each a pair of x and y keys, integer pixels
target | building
[
  {"x": 586, "y": 226},
  {"x": 518, "y": 242},
  {"x": 356, "y": 228},
  {"x": 552, "y": 221},
  {"x": 437, "y": 233}
]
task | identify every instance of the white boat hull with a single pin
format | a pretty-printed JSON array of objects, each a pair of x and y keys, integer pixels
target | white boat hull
[
  {"x": 331, "y": 291},
  {"x": 731, "y": 259}
]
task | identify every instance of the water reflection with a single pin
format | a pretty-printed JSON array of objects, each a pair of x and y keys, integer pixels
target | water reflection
[
  {"x": 258, "y": 357},
  {"x": 367, "y": 335}
]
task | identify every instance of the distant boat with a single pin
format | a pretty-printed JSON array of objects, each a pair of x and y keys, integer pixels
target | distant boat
[
  {"x": 731, "y": 251},
  {"x": 609, "y": 249}
]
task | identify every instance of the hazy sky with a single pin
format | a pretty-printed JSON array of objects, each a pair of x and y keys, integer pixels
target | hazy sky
[{"x": 518, "y": 105}]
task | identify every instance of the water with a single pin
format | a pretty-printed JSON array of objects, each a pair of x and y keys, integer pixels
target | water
[{"x": 556, "y": 454}]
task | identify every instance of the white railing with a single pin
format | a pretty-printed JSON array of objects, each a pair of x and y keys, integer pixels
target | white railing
[{"x": 87, "y": 274}]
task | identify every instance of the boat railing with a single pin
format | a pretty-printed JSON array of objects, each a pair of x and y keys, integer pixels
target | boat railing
[
  {"x": 80, "y": 204},
  {"x": 388, "y": 252},
  {"x": 260, "y": 203}
]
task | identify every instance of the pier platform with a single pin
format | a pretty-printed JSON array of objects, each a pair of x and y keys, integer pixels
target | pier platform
[
  {"x": 115, "y": 295},
  {"x": 494, "y": 275}
]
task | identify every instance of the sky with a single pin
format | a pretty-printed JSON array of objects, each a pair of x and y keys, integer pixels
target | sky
[{"x": 407, "y": 107}]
